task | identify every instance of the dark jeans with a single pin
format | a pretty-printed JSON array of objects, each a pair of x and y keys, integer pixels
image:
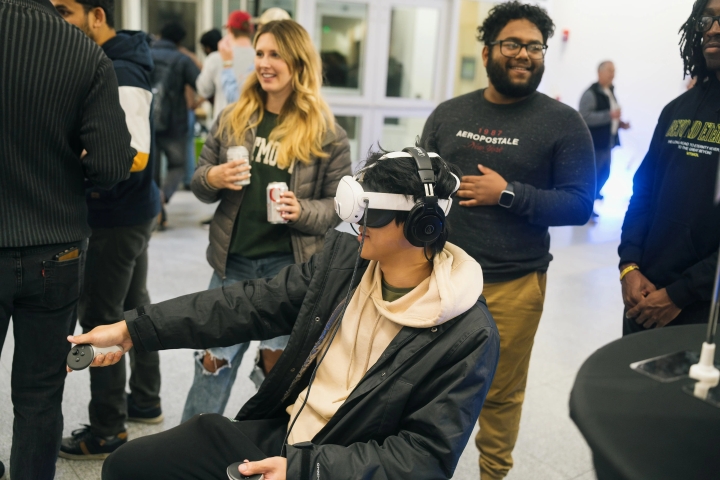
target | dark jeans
[
  {"x": 694, "y": 313},
  {"x": 41, "y": 296},
  {"x": 603, "y": 159},
  {"x": 116, "y": 274},
  {"x": 202, "y": 447},
  {"x": 175, "y": 149}
]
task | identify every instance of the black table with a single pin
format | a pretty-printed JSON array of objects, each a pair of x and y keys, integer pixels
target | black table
[{"x": 639, "y": 428}]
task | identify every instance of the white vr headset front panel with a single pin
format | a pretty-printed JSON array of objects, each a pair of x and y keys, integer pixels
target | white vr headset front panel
[{"x": 350, "y": 197}]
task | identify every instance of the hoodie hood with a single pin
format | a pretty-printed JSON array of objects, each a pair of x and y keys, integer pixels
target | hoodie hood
[
  {"x": 370, "y": 324},
  {"x": 452, "y": 288},
  {"x": 130, "y": 46}
]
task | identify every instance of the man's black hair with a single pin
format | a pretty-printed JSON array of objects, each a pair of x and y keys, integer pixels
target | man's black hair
[
  {"x": 691, "y": 45},
  {"x": 108, "y": 7},
  {"x": 503, "y": 13},
  {"x": 210, "y": 39},
  {"x": 174, "y": 32},
  {"x": 400, "y": 175}
]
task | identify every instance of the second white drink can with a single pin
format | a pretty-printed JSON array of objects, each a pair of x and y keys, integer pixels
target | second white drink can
[
  {"x": 274, "y": 191},
  {"x": 239, "y": 153}
]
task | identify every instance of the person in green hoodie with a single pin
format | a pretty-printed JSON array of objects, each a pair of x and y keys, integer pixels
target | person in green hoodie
[
  {"x": 671, "y": 232},
  {"x": 122, "y": 220},
  {"x": 396, "y": 337}
]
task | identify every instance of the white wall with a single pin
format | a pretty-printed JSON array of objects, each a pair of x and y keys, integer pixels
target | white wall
[{"x": 640, "y": 37}]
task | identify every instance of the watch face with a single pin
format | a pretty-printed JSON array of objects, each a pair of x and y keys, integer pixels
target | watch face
[{"x": 506, "y": 199}]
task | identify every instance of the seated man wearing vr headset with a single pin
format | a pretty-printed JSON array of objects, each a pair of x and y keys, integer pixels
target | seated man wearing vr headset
[{"x": 391, "y": 352}]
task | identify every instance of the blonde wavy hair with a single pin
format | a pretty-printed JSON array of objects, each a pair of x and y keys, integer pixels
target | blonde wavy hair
[{"x": 305, "y": 118}]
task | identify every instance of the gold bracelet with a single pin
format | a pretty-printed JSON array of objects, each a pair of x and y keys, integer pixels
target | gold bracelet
[{"x": 628, "y": 270}]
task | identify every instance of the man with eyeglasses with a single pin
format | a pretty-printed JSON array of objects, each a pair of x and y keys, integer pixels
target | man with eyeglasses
[
  {"x": 670, "y": 236},
  {"x": 528, "y": 164}
]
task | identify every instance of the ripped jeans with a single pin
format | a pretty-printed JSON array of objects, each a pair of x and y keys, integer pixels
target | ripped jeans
[{"x": 210, "y": 391}]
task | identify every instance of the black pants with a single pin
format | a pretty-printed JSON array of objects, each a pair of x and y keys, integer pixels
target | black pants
[
  {"x": 694, "y": 313},
  {"x": 201, "y": 448},
  {"x": 603, "y": 159},
  {"x": 175, "y": 149},
  {"x": 115, "y": 277},
  {"x": 41, "y": 296}
]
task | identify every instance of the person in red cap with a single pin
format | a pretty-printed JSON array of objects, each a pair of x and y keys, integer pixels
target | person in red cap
[{"x": 224, "y": 71}]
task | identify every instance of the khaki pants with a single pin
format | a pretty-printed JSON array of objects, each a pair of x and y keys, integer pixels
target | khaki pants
[{"x": 516, "y": 307}]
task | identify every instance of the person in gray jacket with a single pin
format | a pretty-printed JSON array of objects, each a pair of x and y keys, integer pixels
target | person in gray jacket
[
  {"x": 601, "y": 113},
  {"x": 290, "y": 137}
]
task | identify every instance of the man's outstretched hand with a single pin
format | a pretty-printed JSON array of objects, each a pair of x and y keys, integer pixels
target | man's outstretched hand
[
  {"x": 106, "y": 336},
  {"x": 273, "y": 468}
]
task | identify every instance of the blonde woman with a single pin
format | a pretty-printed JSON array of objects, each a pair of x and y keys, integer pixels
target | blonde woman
[{"x": 291, "y": 136}]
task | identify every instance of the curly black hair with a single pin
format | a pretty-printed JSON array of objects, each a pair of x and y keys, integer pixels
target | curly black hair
[
  {"x": 503, "y": 13},
  {"x": 691, "y": 45}
]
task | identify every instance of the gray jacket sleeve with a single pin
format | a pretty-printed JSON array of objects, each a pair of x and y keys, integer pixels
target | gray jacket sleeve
[
  {"x": 317, "y": 216},
  {"x": 209, "y": 157},
  {"x": 587, "y": 110}
]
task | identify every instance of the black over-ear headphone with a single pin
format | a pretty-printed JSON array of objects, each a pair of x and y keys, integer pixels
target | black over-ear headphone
[{"x": 426, "y": 221}]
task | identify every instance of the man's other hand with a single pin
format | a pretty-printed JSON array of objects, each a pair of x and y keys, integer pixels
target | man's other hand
[
  {"x": 482, "y": 189},
  {"x": 656, "y": 309},
  {"x": 105, "y": 336},
  {"x": 273, "y": 468},
  {"x": 635, "y": 287}
]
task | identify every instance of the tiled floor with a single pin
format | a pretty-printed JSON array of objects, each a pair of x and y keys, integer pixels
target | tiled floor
[{"x": 582, "y": 312}]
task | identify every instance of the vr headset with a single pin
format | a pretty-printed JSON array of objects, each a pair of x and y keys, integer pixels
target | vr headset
[{"x": 426, "y": 220}]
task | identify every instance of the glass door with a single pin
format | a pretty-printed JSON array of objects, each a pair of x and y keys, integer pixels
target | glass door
[{"x": 383, "y": 74}]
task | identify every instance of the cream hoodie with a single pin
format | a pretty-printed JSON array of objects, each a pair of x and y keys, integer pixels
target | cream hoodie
[{"x": 370, "y": 324}]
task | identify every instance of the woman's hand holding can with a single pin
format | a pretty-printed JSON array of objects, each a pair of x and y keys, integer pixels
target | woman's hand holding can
[{"x": 228, "y": 175}]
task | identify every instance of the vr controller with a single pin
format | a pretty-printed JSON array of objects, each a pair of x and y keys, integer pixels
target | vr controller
[
  {"x": 233, "y": 473},
  {"x": 81, "y": 356}
]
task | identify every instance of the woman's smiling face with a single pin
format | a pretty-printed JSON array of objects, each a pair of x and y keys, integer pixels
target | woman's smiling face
[{"x": 273, "y": 72}]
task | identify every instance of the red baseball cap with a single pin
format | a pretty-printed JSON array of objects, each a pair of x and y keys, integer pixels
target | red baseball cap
[{"x": 240, "y": 20}]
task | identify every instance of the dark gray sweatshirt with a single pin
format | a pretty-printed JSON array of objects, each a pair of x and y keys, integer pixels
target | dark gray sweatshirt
[{"x": 539, "y": 145}]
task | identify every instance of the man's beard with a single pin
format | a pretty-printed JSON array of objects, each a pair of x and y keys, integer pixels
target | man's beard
[
  {"x": 85, "y": 27},
  {"x": 500, "y": 79}
]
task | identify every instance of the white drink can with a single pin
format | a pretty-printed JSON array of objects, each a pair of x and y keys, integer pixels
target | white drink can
[
  {"x": 274, "y": 191},
  {"x": 239, "y": 153}
]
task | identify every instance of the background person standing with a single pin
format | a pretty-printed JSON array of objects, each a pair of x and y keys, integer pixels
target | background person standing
[
  {"x": 602, "y": 114},
  {"x": 46, "y": 122},
  {"x": 305, "y": 149},
  {"x": 241, "y": 62},
  {"x": 122, "y": 220},
  {"x": 173, "y": 71},
  {"x": 518, "y": 181}
]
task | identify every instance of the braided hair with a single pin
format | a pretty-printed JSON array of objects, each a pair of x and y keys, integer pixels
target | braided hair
[{"x": 691, "y": 45}]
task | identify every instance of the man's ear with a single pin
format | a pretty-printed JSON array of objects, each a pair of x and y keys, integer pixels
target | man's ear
[
  {"x": 97, "y": 17},
  {"x": 485, "y": 55}
]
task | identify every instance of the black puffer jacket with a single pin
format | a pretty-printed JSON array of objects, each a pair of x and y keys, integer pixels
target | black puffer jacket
[{"x": 409, "y": 417}]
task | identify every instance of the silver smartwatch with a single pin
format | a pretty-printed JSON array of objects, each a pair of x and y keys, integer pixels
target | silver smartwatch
[{"x": 507, "y": 196}]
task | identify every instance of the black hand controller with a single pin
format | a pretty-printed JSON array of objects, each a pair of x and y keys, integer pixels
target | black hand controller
[{"x": 233, "y": 473}]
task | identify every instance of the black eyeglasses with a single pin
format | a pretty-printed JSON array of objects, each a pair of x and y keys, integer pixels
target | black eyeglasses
[
  {"x": 512, "y": 49},
  {"x": 706, "y": 22}
]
